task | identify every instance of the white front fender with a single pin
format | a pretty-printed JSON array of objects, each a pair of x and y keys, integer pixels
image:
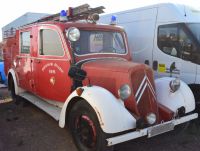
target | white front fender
[
  {"x": 112, "y": 115},
  {"x": 182, "y": 97}
]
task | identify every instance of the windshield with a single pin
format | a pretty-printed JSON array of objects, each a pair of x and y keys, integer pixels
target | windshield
[
  {"x": 195, "y": 29},
  {"x": 99, "y": 42}
]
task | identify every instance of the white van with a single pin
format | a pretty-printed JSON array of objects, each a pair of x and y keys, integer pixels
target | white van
[{"x": 166, "y": 37}]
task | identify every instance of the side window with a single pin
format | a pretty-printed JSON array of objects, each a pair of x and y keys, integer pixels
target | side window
[
  {"x": 174, "y": 40},
  {"x": 168, "y": 39},
  {"x": 50, "y": 43},
  {"x": 25, "y": 42}
]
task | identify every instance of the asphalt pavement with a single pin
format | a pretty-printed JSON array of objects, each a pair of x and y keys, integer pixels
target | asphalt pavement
[{"x": 24, "y": 127}]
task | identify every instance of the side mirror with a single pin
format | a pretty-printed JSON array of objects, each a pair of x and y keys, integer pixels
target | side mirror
[
  {"x": 172, "y": 67},
  {"x": 76, "y": 73}
]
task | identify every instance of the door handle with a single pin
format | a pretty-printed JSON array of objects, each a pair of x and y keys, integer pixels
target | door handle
[
  {"x": 146, "y": 62},
  {"x": 155, "y": 65}
]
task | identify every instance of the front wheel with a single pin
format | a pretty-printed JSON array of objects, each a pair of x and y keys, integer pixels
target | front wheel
[{"x": 85, "y": 128}]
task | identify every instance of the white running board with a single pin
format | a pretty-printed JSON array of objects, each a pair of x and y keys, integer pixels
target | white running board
[{"x": 50, "y": 109}]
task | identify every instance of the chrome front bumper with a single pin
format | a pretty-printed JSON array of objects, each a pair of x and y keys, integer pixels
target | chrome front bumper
[{"x": 151, "y": 131}]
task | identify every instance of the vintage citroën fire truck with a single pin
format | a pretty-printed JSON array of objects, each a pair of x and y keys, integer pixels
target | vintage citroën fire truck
[{"x": 81, "y": 74}]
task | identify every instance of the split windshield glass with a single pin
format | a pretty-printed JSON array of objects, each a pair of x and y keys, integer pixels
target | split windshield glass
[{"x": 99, "y": 42}]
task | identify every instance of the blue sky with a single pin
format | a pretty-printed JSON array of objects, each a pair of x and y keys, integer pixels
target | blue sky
[{"x": 10, "y": 10}]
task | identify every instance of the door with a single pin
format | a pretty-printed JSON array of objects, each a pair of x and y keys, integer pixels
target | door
[
  {"x": 24, "y": 61},
  {"x": 172, "y": 55},
  {"x": 52, "y": 65}
]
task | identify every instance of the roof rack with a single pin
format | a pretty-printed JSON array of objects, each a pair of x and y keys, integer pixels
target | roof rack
[{"x": 82, "y": 12}]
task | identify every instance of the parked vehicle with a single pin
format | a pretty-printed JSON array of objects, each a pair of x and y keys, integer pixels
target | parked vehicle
[
  {"x": 3, "y": 79},
  {"x": 81, "y": 73},
  {"x": 167, "y": 38}
]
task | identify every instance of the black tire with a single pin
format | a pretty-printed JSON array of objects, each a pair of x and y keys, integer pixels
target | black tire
[
  {"x": 85, "y": 128},
  {"x": 15, "y": 97}
]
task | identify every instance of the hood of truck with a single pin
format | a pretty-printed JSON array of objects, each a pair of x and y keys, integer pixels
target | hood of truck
[
  {"x": 111, "y": 74},
  {"x": 114, "y": 65}
]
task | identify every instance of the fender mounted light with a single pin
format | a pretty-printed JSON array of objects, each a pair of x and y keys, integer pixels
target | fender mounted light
[
  {"x": 174, "y": 85},
  {"x": 124, "y": 91}
]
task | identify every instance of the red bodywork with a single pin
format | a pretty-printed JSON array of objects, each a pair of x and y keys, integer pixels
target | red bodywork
[{"x": 47, "y": 76}]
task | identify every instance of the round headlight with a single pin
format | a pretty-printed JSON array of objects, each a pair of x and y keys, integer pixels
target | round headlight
[
  {"x": 124, "y": 92},
  {"x": 151, "y": 118},
  {"x": 174, "y": 85},
  {"x": 73, "y": 34}
]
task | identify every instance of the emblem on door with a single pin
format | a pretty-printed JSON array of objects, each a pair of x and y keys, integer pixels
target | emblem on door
[{"x": 52, "y": 80}]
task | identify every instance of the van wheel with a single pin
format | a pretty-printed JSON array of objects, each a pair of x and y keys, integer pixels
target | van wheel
[
  {"x": 85, "y": 128},
  {"x": 15, "y": 97}
]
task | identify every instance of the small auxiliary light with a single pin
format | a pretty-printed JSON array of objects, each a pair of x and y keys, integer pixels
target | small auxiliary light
[
  {"x": 63, "y": 15},
  {"x": 113, "y": 20}
]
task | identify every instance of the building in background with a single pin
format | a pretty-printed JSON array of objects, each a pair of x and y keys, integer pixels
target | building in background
[{"x": 22, "y": 20}]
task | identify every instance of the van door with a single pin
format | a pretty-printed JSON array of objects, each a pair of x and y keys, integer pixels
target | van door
[
  {"x": 52, "y": 65},
  {"x": 24, "y": 61},
  {"x": 173, "y": 48}
]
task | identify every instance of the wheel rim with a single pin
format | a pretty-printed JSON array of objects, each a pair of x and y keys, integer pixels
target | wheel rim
[{"x": 85, "y": 131}]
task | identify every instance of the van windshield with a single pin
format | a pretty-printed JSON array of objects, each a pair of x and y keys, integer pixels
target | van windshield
[
  {"x": 195, "y": 29},
  {"x": 99, "y": 42}
]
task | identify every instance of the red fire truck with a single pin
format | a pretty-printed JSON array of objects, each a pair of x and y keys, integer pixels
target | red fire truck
[{"x": 81, "y": 74}]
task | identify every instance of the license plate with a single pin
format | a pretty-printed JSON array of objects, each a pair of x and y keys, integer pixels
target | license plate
[{"x": 159, "y": 129}]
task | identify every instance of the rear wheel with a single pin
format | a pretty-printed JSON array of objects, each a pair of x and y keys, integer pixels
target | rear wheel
[
  {"x": 12, "y": 91},
  {"x": 85, "y": 128}
]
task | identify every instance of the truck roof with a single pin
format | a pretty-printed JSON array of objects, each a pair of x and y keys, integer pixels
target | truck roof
[
  {"x": 81, "y": 16},
  {"x": 78, "y": 24}
]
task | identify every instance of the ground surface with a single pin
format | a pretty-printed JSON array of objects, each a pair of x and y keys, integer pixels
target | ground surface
[{"x": 27, "y": 128}]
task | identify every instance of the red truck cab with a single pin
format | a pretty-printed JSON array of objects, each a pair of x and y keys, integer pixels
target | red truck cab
[{"x": 81, "y": 72}]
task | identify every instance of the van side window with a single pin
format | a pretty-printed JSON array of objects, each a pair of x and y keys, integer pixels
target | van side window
[
  {"x": 168, "y": 39},
  {"x": 50, "y": 43},
  {"x": 25, "y": 42},
  {"x": 175, "y": 40}
]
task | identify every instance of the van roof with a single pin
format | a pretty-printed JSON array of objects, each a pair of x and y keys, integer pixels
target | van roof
[{"x": 172, "y": 12}]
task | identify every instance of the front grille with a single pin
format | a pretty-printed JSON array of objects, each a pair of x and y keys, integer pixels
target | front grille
[{"x": 144, "y": 91}]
